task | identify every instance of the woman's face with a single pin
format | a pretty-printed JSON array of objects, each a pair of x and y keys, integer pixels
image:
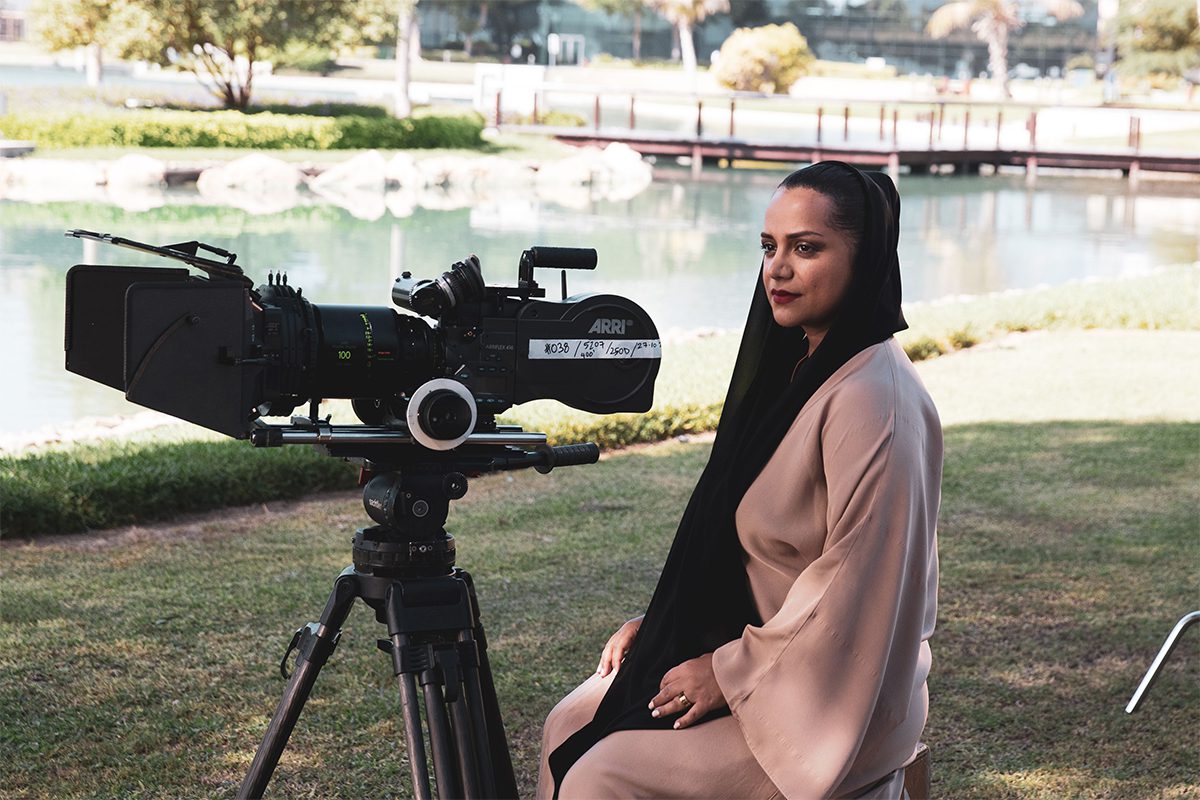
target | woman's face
[{"x": 806, "y": 261}]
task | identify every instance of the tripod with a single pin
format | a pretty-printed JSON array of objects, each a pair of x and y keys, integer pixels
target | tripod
[{"x": 404, "y": 570}]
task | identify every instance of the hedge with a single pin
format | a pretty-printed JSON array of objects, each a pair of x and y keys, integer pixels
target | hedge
[
  {"x": 110, "y": 483},
  {"x": 265, "y": 131}
]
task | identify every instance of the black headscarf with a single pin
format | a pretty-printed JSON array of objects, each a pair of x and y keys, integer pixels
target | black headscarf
[{"x": 703, "y": 600}]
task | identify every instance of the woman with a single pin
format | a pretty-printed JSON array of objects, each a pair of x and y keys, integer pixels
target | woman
[{"x": 784, "y": 652}]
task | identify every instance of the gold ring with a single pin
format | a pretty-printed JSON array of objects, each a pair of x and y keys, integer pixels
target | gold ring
[{"x": 683, "y": 698}]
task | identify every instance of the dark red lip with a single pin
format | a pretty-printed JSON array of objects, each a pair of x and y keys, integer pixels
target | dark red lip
[{"x": 783, "y": 297}]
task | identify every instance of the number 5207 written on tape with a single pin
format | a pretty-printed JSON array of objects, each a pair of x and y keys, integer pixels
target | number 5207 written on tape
[{"x": 595, "y": 348}]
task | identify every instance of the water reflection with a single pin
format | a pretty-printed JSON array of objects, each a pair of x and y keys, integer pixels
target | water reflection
[{"x": 686, "y": 250}]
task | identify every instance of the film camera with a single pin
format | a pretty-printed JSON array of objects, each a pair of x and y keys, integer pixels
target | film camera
[
  {"x": 426, "y": 381},
  {"x": 220, "y": 353}
]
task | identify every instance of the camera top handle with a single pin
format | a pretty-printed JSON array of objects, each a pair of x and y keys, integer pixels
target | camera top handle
[{"x": 553, "y": 258}]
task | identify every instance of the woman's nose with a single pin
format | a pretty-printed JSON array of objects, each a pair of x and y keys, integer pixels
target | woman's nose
[{"x": 779, "y": 268}]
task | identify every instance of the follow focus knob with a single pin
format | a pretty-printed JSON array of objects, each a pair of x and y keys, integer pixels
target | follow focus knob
[{"x": 441, "y": 414}]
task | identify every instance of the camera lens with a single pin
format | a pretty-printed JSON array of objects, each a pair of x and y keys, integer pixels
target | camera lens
[{"x": 445, "y": 415}]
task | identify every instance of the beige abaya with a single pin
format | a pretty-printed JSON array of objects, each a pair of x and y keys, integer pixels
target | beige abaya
[{"x": 828, "y": 695}]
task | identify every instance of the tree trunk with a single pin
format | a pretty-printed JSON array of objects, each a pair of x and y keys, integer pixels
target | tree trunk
[
  {"x": 94, "y": 65},
  {"x": 247, "y": 87},
  {"x": 687, "y": 47},
  {"x": 404, "y": 57},
  {"x": 998, "y": 57},
  {"x": 637, "y": 34},
  {"x": 414, "y": 35}
]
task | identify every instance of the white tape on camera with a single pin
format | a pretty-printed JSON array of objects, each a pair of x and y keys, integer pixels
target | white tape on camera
[{"x": 594, "y": 348}]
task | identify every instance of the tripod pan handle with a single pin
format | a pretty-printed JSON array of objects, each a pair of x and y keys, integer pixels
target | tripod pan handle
[{"x": 569, "y": 455}]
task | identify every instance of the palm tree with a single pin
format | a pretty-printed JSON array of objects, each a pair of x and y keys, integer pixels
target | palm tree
[
  {"x": 625, "y": 8},
  {"x": 408, "y": 50},
  {"x": 684, "y": 14},
  {"x": 991, "y": 20}
]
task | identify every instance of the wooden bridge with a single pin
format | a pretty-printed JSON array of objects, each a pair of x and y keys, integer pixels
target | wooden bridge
[
  {"x": 915, "y": 141},
  {"x": 727, "y": 151}
]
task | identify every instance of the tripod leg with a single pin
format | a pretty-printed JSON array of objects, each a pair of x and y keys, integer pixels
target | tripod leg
[
  {"x": 475, "y": 714},
  {"x": 439, "y": 737},
  {"x": 487, "y": 705},
  {"x": 506, "y": 779},
  {"x": 457, "y": 699},
  {"x": 413, "y": 737},
  {"x": 312, "y": 654}
]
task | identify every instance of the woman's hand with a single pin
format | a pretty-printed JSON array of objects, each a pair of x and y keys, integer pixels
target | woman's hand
[
  {"x": 618, "y": 645},
  {"x": 692, "y": 687}
]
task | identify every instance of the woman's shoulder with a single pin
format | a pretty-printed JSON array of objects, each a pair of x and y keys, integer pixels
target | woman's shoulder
[{"x": 879, "y": 382}]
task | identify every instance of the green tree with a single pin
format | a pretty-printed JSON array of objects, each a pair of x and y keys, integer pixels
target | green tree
[
  {"x": 622, "y": 8},
  {"x": 96, "y": 25},
  {"x": 220, "y": 41},
  {"x": 391, "y": 22},
  {"x": 992, "y": 21},
  {"x": 684, "y": 14},
  {"x": 1158, "y": 36},
  {"x": 766, "y": 59}
]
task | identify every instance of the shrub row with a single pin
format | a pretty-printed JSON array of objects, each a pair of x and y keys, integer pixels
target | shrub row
[
  {"x": 111, "y": 484},
  {"x": 265, "y": 130}
]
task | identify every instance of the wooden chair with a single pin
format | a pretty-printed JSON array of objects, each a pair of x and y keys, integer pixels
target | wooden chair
[{"x": 917, "y": 774}]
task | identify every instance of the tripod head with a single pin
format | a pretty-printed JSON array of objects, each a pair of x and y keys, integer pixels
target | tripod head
[{"x": 407, "y": 489}]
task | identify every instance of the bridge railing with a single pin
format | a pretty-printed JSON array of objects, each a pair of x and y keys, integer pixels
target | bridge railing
[{"x": 937, "y": 124}]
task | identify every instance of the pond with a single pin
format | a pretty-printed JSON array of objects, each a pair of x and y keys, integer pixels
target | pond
[{"x": 685, "y": 249}]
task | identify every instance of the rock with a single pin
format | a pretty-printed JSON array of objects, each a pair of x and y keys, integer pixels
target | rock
[
  {"x": 627, "y": 173},
  {"x": 574, "y": 170},
  {"x": 365, "y": 172},
  {"x": 356, "y": 185},
  {"x": 503, "y": 173},
  {"x": 42, "y": 180},
  {"x": 437, "y": 170},
  {"x": 620, "y": 157},
  {"x": 402, "y": 171},
  {"x": 255, "y": 173},
  {"x": 257, "y": 183},
  {"x": 135, "y": 170}
]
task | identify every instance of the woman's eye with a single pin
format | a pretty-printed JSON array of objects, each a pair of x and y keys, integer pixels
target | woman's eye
[
  {"x": 767, "y": 247},
  {"x": 804, "y": 248}
]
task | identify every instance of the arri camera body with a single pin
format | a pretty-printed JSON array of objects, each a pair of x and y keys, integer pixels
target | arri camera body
[{"x": 221, "y": 353}]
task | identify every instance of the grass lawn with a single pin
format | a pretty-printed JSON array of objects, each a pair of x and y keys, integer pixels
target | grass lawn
[{"x": 142, "y": 662}]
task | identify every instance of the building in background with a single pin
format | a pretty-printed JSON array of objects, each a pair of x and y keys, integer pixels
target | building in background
[
  {"x": 837, "y": 30},
  {"x": 14, "y": 26}
]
